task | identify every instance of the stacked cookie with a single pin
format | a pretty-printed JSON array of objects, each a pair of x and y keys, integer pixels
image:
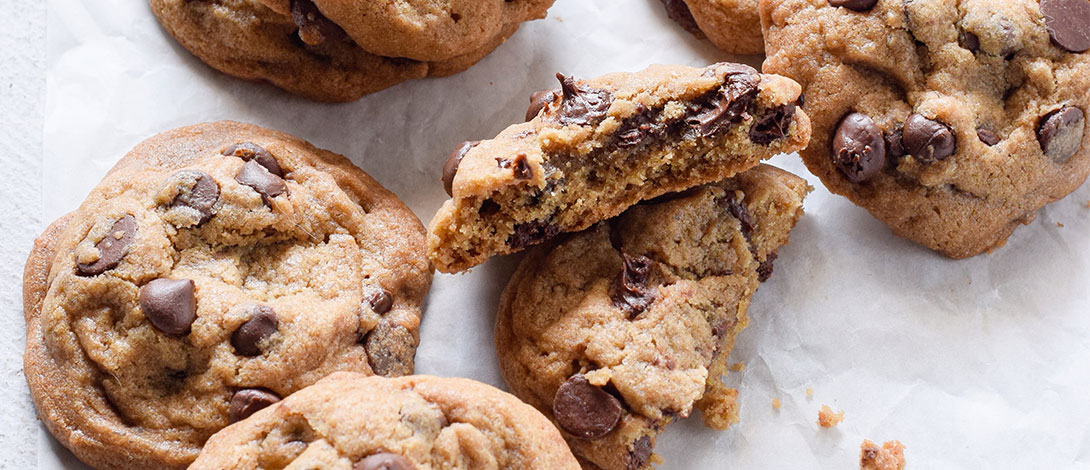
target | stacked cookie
[{"x": 340, "y": 50}]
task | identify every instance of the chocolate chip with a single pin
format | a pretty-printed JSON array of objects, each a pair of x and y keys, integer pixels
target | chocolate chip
[
  {"x": 251, "y": 151},
  {"x": 520, "y": 166},
  {"x": 248, "y": 401},
  {"x": 988, "y": 137},
  {"x": 582, "y": 104},
  {"x": 390, "y": 349},
  {"x": 1060, "y": 133},
  {"x": 254, "y": 175},
  {"x": 726, "y": 105},
  {"x": 584, "y": 410},
  {"x": 531, "y": 233},
  {"x": 248, "y": 337},
  {"x": 855, "y": 5},
  {"x": 630, "y": 290},
  {"x": 639, "y": 128},
  {"x": 639, "y": 454},
  {"x": 384, "y": 461},
  {"x": 380, "y": 300},
  {"x": 895, "y": 145},
  {"x": 764, "y": 270},
  {"x": 112, "y": 248},
  {"x": 1068, "y": 22},
  {"x": 678, "y": 11},
  {"x": 169, "y": 304},
  {"x": 927, "y": 140},
  {"x": 737, "y": 208},
  {"x": 859, "y": 148},
  {"x": 488, "y": 207},
  {"x": 538, "y": 100},
  {"x": 773, "y": 125},
  {"x": 201, "y": 197},
  {"x": 450, "y": 168},
  {"x": 314, "y": 28},
  {"x": 968, "y": 40}
]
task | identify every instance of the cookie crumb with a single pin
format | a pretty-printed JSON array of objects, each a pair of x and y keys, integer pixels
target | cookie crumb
[
  {"x": 1059, "y": 224},
  {"x": 828, "y": 419},
  {"x": 657, "y": 459},
  {"x": 809, "y": 392},
  {"x": 738, "y": 367},
  {"x": 891, "y": 456},
  {"x": 776, "y": 403}
]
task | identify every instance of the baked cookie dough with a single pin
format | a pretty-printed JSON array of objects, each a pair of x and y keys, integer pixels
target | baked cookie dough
[
  {"x": 593, "y": 148},
  {"x": 732, "y": 25},
  {"x": 618, "y": 330},
  {"x": 340, "y": 50},
  {"x": 214, "y": 270},
  {"x": 951, "y": 121},
  {"x": 349, "y": 421}
]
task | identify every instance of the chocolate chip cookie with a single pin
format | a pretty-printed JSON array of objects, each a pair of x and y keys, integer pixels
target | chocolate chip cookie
[
  {"x": 214, "y": 270},
  {"x": 340, "y": 50},
  {"x": 593, "y": 148},
  {"x": 951, "y": 121},
  {"x": 732, "y": 25},
  {"x": 351, "y": 421},
  {"x": 618, "y": 330}
]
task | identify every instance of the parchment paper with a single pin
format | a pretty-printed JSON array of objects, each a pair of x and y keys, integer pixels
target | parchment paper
[{"x": 982, "y": 363}]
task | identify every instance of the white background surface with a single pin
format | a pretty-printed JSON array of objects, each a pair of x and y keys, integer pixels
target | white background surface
[{"x": 983, "y": 363}]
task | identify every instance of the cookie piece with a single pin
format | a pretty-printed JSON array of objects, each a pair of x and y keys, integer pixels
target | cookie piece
[
  {"x": 952, "y": 122},
  {"x": 597, "y": 147},
  {"x": 214, "y": 270},
  {"x": 416, "y": 422},
  {"x": 341, "y": 50},
  {"x": 732, "y": 25},
  {"x": 890, "y": 456},
  {"x": 618, "y": 330}
]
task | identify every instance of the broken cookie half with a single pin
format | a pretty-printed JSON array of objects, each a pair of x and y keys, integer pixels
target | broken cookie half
[
  {"x": 616, "y": 331},
  {"x": 593, "y": 148}
]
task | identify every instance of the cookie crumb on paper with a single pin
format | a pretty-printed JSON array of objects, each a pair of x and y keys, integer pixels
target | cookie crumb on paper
[
  {"x": 827, "y": 418},
  {"x": 891, "y": 456}
]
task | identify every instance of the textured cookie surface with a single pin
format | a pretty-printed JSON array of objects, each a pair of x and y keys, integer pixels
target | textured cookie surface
[
  {"x": 215, "y": 269},
  {"x": 732, "y": 25},
  {"x": 594, "y": 148},
  {"x": 616, "y": 331},
  {"x": 951, "y": 121},
  {"x": 352, "y": 422},
  {"x": 341, "y": 50}
]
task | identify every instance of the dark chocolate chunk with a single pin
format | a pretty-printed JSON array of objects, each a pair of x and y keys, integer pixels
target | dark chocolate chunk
[
  {"x": 987, "y": 136},
  {"x": 582, "y": 104},
  {"x": 450, "y": 168},
  {"x": 968, "y": 40},
  {"x": 764, "y": 270},
  {"x": 854, "y": 5},
  {"x": 630, "y": 290},
  {"x": 254, "y": 175},
  {"x": 169, "y": 304},
  {"x": 251, "y": 151},
  {"x": 678, "y": 11},
  {"x": 314, "y": 28},
  {"x": 520, "y": 166},
  {"x": 112, "y": 248},
  {"x": 639, "y": 129},
  {"x": 927, "y": 140},
  {"x": 1068, "y": 23},
  {"x": 248, "y": 401},
  {"x": 640, "y": 453},
  {"x": 773, "y": 125},
  {"x": 202, "y": 197},
  {"x": 584, "y": 410},
  {"x": 738, "y": 209},
  {"x": 531, "y": 233},
  {"x": 1060, "y": 133},
  {"x": 380, "y": 300},
  {"x": 384, "y": 461},
  {"x": 248, "y": 337},
  {"x": 728, "y": 104},
  {"x": 538, "y": 100},
  {"x": 488, "y": 207},
  {"x": 859, "y": 148},
  {"x": 390, "y": 349}
]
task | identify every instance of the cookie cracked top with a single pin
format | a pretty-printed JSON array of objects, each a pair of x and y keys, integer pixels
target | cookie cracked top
[
  {"x": 952, "y": 121},
  {"x": 216, "y": 269},
  {"x": 407, "y": 423}
]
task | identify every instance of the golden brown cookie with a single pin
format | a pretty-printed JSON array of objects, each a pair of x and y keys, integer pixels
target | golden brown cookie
[
  {"x": 951, "y": 121},
  {"x": 215, "y": 269},
  {"x": 618, "y": 330},
  {"x": 333, "y": 50},
  {"x": 351, "y": 421},
  {"x": 732, "y": 25},
  {"x": 594, "y": 148}
]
